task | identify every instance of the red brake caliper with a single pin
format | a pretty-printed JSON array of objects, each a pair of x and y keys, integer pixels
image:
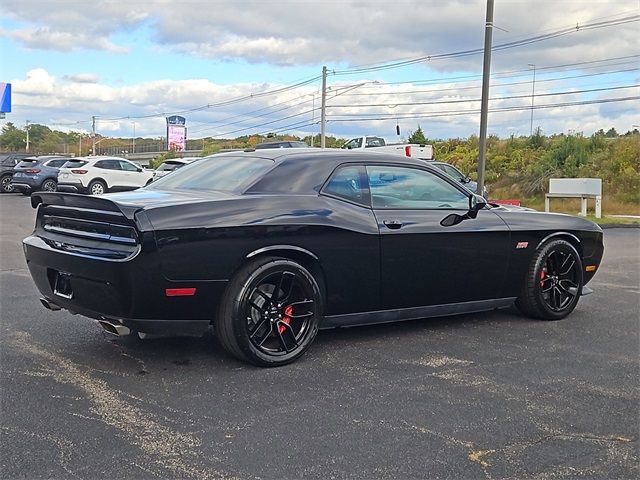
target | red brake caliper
[
  {"x": 542, "y": 275},
  {"x": 286, "y": 318}
]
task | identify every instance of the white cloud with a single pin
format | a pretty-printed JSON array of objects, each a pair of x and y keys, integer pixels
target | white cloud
[
  {"x": 83, "y": 78},
  {"x": 334, "y": 32},
  {"x": 43, "y": 98}
]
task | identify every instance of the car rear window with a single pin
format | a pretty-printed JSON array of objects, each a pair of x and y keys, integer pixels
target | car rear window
[
  {"x": 225, "y": 174},
  {"x": 75, "y": 163},
  {"x": 169, "y": 166},
  {"x": 29, "y": 162}
]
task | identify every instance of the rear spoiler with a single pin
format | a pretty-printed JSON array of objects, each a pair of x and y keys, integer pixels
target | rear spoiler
[{"x": 74, "y": 200}]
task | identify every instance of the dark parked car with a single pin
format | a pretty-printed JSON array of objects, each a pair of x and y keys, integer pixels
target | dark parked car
[
  {"x": 38, "y": 173},
  {"x": 270, "y": 246},
  {"x": 282, "y": 144},
  {"x": 7, "y": 162}
]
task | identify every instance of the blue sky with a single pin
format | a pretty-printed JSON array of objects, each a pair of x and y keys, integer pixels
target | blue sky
[{"x": 70, "y": 60}]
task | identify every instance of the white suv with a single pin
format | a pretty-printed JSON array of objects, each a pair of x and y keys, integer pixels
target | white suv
[{"x": 97, "y": 175}]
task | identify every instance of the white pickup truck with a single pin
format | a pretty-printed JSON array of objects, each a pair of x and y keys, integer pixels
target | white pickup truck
[{"x": 415, "y": 150}]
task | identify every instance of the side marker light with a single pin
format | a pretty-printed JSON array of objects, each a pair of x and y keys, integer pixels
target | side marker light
[{"x": 180, "y": 292}]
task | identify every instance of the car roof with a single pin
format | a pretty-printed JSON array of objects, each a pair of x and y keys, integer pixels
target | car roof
[
  {"x": 96, "y": 158},
  {"x": 304, "y": 170},
  {"x": 332, "y": 155}
]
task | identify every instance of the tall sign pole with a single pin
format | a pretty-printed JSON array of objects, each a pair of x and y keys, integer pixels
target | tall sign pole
[
  {"x": 484, "y": 105},
  {"x": 26, "y": 127},
  {"x": 323, "y": 111}
]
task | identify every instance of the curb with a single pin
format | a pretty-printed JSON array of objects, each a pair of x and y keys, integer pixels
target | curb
[{"x": 619, "y": 225}]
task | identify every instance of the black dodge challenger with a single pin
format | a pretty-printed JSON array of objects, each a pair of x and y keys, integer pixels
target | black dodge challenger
[{"x": 269, "y": 246}]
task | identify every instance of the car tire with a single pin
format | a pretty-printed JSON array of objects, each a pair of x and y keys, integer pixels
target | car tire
[
  {"x": 97, "y": 187},
  {"x": 554, "y": 282},
  {"x": 5, "y": 184},
  {"x": 49, "y": 185},
  {"x": 270, "y": 312}
]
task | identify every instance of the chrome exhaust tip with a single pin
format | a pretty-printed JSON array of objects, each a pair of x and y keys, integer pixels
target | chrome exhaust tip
[
  {"x": 114, "y": 328},
  {"x": 50, "y": 305}
]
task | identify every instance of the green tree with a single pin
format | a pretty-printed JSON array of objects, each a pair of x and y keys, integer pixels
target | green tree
[
  {"x": 418, "y": 137},
  {"x": 12, "y": 138},
  {"x": 611, "y": 133}
]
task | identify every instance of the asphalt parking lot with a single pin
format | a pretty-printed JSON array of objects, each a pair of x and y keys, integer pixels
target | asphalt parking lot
[{"x": 490, "y": 395}]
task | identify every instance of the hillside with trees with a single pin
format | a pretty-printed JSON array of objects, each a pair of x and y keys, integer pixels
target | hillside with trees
[{"x": 517, "y": 167}]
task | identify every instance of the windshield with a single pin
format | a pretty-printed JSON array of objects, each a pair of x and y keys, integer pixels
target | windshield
[{"x": 226, "y": 174}]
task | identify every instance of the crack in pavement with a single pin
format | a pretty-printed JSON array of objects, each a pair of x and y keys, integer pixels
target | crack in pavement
[{"x": 166, "y": 448}]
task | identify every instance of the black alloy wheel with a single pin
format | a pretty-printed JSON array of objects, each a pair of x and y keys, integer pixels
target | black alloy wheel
[
  {"x": 271, "y": 312},
  {"x": 49, "y": 185},
  {"x": 554, "y": 282},
  {"x": 5, "y": 184}
]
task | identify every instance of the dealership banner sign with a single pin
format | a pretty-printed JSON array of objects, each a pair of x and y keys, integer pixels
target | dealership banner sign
[
  {"x": 5, "y": 98},
  {"x": 176, "y": 133}
]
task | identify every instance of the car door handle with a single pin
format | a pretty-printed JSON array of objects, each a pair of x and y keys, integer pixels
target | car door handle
[{"x": 393, "y": 224}]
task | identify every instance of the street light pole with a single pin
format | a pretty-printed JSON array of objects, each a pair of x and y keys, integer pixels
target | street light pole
[
  {"x": 26, "y": 127},
  {"x": 134, "y": 137},
  {"x": 93, "y": 134},
  {"x": 533, "y": 92},
  {"x": 484, "y": 105}
]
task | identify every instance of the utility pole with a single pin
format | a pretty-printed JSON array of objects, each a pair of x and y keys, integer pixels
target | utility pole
[
  {"x": 80, "y": 145},
  {"x": 323, "y": 111},
  {"x": 533, "y": 92},
  {"x": 484, "y": 105},
  {"x": 313, "y": 118},
  {"x": 93, "y": 134},
  {"x": 26, "y": 127}
]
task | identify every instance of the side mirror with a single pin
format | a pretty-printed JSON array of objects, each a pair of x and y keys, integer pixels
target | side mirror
[
  {"x": 452, "y": 219},
  {"x": 476, "y": 203},
  {"x": 139, "y": 169}
]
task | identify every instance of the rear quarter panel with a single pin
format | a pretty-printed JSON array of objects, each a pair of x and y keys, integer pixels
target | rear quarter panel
[{"x": 211, "y": 241}]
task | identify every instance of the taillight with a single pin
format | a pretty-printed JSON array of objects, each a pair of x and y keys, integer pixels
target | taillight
[
  {"x": 407, "y": 151},
  {"x": 32, "y": 170},
  {"x": 80, "y": 172}
]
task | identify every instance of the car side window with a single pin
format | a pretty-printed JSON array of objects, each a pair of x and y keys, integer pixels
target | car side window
[
  {"x": 127, "y": 167},
  {"x": 453, "y": 172},
  {"x": 354, "y": 143},
  {"x": 349, "y": 183},
  {"x": 108, "y": 164},
  {"x": 411, "y": 188},
  {"x": 56, "y": 163}
]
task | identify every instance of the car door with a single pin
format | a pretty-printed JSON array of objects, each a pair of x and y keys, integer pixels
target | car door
[
  {"x": 422, "y": 262},
  {"x": 131, "y": 177},
  {"x": 110, "y": 171}
]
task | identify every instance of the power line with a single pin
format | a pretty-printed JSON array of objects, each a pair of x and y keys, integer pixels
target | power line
[
  {"x": 223, "y": 103},
  {"x": 503, "y": 46},
  {"x": 492, "y": 110},
  {"x": 510, "y": 97}
]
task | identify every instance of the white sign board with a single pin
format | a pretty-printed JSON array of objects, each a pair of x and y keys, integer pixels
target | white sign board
[{"x": 576, "y": 186}]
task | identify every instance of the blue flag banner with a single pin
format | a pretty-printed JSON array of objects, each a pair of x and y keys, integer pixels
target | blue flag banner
[{"x": 5, "y": 97}]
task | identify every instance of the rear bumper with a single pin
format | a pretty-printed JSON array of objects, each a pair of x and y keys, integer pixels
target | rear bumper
[
  {"x": 130, "y": 291},
  {"x": 26, "y": 183},
  {"x": 72, "y": 187}
]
